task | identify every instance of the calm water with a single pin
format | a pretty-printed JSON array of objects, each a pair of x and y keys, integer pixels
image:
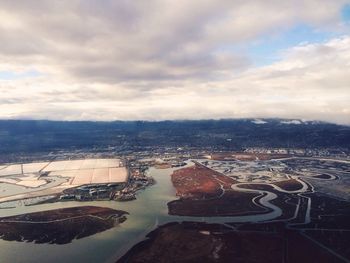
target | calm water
[{"x": 148, "y": 211}]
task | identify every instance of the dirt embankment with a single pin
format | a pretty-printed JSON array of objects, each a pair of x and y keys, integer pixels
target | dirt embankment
[
  {"x": 162, "y": 166},
  {"x": 245, "y": 156},
  {"x": 60, "y": 226}
]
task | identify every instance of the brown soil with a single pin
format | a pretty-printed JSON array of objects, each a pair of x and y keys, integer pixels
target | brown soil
[
  {"x": 59, "y": 226},
  {"x": 201, "y": 194},
  {"x": 162, "y": 166},
  {"x": 199, "y": 182}
]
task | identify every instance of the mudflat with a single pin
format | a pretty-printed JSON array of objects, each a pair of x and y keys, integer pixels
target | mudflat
[{"x": 60, "y": 226}]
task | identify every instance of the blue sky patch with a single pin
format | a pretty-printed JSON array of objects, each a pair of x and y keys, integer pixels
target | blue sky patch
[
  {"x": 10, "y": 75},
  {"x": 346, "y": 13},
  {"x": 268, "y": 50}
]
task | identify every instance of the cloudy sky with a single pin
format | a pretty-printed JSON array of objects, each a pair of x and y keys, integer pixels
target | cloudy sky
[{"x": 166, "y": 59}]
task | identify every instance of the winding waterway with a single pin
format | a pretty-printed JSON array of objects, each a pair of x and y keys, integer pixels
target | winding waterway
[{"x": 146, "y": 213}]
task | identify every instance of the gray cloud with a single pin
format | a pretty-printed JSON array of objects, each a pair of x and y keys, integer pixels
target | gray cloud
[{"x": 120, "y": 40}]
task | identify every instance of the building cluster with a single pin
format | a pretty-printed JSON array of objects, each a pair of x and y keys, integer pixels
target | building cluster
[
  {"x": 336, "y": 153},
  {"x": 92, "y": 192},
  {"x": 125, "y": 191}
]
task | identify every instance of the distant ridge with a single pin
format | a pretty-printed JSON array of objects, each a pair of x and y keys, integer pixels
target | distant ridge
[{"x": 226, "y": 134}]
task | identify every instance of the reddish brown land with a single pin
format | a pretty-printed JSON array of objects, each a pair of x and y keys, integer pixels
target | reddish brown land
[
  {"x": 199, "y": 182},
  {"x": 59, "y": 226},
  {"x": 201, "y": 242},
  {"x": 204, "y": 192},
  {"x": 196, "y": 182}
]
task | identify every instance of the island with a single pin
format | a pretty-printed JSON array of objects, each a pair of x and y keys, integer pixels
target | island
[{"x": 60, "y": 226}]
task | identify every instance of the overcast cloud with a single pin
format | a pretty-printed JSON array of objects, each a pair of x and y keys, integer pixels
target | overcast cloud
[{"x": 160, "y": 59}]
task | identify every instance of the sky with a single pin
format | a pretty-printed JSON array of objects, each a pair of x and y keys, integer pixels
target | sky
[{"x": 164, "y": 59}]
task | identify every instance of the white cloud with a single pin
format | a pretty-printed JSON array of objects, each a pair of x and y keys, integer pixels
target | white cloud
[{"x": 165, "y": 59}]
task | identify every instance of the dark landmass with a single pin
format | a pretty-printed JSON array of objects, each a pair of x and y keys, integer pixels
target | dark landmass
[
  {"x": 230, "y": 204},
  {"x": 322, "y": 176},
  {"x": 299, "y": 245},
  {"x": 289, "y": 185},
  {"x": 201, "y": 242},
  {"x": 313, "y": 227},
  {"x": 329, "y": 213},
  {"x": 287, "y": 202},
  {"x": 59, "y": 226},
  {"x": 337, "y": 241},
  {"x": 316, "y": 165},
  {"x": 44, "y": 136},
  {"x": 201, "y": 191},
  {"x": 325, "y": 239}
]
